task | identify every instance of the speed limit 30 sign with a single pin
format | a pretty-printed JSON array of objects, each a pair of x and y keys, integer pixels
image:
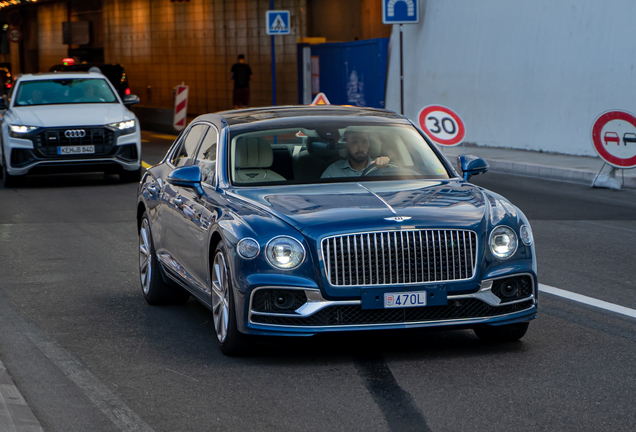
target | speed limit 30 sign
[{"x": 442, "y": 125}]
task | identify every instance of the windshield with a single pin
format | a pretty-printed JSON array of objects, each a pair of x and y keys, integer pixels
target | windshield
[
  {"x": 332, "y": 152},
  {"x": 64, "y": 91}
]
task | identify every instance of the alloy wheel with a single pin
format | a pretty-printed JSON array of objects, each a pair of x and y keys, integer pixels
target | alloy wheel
[
  {"x": 145, "y": 256},
  {"x": 220, "y": 297}
]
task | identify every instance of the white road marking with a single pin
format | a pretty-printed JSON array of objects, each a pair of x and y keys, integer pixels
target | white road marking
[
  {"x": 588, "y": 300},
  {"x": 115, "y": 409}
]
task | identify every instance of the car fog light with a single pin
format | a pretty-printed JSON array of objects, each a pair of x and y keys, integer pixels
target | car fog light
[
  {"x": 285, "y": 253},
  {"x": 503, "y": 242},
  {"x": 248, "y": 248},
  {"x": 526, "y": 235}
]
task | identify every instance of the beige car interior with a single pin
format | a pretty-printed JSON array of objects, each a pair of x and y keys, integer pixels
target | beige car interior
[{"x": 253, "y": 157}]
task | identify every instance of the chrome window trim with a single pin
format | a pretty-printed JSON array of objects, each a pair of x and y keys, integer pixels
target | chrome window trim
[
  {"x": 325, "y": 269},
  {"x": 216, "y": 162}
]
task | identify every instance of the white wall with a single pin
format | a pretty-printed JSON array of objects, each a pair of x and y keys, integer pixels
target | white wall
[{"x": 521, "y": 74}]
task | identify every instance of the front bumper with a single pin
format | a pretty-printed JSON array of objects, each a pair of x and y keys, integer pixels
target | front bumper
[
  {"x": 27, "y": 156},
  {"x": 314, "y": 314}
]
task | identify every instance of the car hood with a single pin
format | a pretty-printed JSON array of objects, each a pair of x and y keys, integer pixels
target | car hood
[
  {"x": 70, "y": 115},
  {"x": 318, "y": 210}
]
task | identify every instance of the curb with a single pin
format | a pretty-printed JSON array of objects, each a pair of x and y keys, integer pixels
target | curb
[
  {"x": 15, "y": 413},
  {"x": 549, "y": 172}
]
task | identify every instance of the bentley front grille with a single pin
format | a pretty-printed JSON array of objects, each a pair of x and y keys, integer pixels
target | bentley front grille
[{"x": 400, "y": 257}]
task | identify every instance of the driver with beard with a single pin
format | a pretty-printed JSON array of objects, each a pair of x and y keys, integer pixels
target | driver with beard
[{"x": 358, "y": 157}]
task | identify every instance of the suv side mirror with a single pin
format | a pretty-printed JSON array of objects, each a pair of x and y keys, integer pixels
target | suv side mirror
[
  {"x": 471, "y": 165},
  {"x": 130, "y": 100},
  {"x": 3, "y": 104}
]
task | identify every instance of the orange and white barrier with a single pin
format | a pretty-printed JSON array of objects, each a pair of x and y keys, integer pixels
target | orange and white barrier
[{"x": 180, "y": 107}]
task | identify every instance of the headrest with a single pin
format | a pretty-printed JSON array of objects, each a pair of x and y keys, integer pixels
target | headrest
[{"x": 254, "y": 152}]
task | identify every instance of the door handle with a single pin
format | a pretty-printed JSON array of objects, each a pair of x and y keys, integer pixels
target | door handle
[
  {"x": 178, "y": 201},
  {"x": 152, "y": 189}
]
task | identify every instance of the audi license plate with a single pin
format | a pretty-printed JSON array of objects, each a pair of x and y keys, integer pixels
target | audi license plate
[
  {"x": 405, "y": 299},
  {"x": 75, "y": 150}
]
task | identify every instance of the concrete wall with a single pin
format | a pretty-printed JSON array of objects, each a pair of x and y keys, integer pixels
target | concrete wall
[
  {"x": 527, "y": 75},
  {"x": 161, "y": 44}
]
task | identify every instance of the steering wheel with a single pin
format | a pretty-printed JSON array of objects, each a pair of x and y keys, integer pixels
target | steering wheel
[{"x": 397, "y": 169}]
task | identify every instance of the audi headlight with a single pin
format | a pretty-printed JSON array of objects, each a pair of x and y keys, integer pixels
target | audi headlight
[
  {"x": 18, "y": 131},
  {"x": 503, "y": 242},
  {"x": 125, "y": 127},
  {"x": 285, "y": 253},
  {"x": 248, "y": 248}
]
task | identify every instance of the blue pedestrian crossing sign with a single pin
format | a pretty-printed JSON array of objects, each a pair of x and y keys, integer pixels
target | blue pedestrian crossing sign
[
  {"x": 400, "y": 11},
  {"x": 277, "y": 22}
]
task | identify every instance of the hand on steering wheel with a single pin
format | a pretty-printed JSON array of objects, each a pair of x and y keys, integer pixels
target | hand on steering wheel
[{"x": 373, "y": 167}]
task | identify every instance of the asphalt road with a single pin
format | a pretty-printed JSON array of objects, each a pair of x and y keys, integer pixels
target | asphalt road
[{"x": 89, "y": 354}]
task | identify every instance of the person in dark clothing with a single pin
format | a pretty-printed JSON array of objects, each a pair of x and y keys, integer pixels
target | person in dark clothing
[{"x": 241, "y": 73}]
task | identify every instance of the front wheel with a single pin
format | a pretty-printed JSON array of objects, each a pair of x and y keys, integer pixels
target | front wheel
[
  {"x": 504, "y": 333},
  {"x": 230, "y": 340},
  {"x": 8, "y": 180}
]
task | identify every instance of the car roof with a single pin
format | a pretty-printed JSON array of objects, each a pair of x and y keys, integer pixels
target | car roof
[
  {"x": 272, "y": 114},
  {"x": 62, "y": 75}
]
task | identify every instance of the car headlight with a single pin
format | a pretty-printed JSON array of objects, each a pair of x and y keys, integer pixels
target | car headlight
[
  {"x": 248, "y": 248},
  {"x": 503, "y": 242},
  {"x": 18, "y": 131},
  {"x": 285, "y": 253},
  {"x": 526, "y": 235},
  {"x": 125, "y": 127}
]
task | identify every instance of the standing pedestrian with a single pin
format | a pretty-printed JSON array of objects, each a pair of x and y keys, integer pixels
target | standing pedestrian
[{"x": 241, "y": 73}]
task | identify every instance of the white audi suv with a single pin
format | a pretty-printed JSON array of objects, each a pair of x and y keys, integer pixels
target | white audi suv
[{"x": 68, "y": 122}]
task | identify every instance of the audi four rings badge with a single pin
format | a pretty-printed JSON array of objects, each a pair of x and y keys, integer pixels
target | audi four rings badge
[{"x": 75, "y": 133}]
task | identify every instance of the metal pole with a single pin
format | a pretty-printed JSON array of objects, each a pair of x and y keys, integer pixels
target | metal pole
[
  {"x": 401, "y": 74},
  {"x": 271, "y": 7}
]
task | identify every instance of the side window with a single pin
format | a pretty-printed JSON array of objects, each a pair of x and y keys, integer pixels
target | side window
[
  {"x": 206, "y": 157},
  {"x": 188, "y": 146}
]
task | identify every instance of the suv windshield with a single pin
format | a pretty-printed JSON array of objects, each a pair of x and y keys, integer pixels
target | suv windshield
[
  {"x": 335, "y": 151},
  {"x": 64, "y": 91}
]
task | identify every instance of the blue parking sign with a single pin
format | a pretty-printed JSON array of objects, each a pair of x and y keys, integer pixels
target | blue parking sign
[
  {"x": 277, "y": 22},
  {"x": 400, "y": 11}
]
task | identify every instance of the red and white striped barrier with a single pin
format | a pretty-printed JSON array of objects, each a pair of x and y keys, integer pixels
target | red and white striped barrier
[{"x": 180, "y": 107}]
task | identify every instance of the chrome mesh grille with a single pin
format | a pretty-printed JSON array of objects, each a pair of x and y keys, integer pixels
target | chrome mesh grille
[{"x": 400, "y": 257}]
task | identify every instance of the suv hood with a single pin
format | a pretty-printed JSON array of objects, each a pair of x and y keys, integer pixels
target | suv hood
[
  {"x": 70, "y": 115},
  {"x": 317, "y": 210}
]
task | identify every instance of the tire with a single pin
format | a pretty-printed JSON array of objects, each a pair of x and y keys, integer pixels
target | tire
[
  {"x": 155, "y": 290},
  {"x": 230, "y": 340},
  {"x": 504, "y": 333},
  {"x": 8, "y": 180},
  {"x": 130, "y": 176}
]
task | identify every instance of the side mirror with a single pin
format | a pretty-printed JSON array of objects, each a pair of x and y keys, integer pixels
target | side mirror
[
  {"x": 130, "y": 100},
  {"x": 3, "y": 104},
  {"x": 471, "y": 165},
  {"x": 187, "y": 176}
]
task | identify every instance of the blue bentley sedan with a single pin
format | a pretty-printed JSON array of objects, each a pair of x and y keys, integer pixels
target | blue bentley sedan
[{"x": 300, "y": 220}]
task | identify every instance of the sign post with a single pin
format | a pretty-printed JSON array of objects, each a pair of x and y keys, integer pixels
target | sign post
[
  {"x": 614, "y": 139},
  {"x": 401, "y": 12},
  {"x": 442, "y": 125},
  {"x": 277, "y": 23}
]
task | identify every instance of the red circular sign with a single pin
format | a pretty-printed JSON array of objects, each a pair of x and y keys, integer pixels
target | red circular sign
[
  {"x": 15, "y": 35},
  {"x": 614, "y": 138},
  {"x": 442, "y": 125}
]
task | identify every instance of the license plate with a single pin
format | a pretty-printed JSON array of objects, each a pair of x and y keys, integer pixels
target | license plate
[
  {"x": 75, "y": 150},
  {"x": 405, "y": 299}
]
